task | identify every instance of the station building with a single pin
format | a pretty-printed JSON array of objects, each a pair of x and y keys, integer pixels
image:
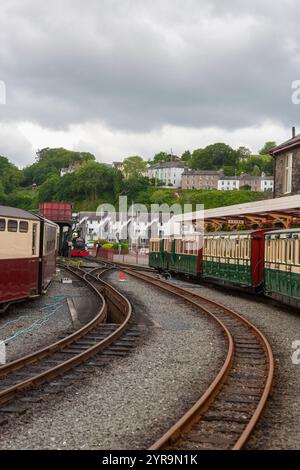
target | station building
[{"x": 287, "y": 167}]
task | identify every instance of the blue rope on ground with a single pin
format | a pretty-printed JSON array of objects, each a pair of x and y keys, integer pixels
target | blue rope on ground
[{"x": 48, "y": 311}]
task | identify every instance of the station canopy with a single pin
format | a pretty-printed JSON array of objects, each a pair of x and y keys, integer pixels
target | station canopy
[{"x": 282, "y": 212}]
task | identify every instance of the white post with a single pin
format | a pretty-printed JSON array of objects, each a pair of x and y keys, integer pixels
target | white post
[{"x": 2, "y": 352}]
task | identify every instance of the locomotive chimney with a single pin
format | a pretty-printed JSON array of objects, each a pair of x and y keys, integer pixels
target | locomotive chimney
[{"x": 293, "y": 131}]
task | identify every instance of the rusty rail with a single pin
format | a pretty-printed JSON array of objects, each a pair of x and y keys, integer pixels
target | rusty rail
[
  {"x": 35, "y": 359},
  {"x": 245, "y": 342}
]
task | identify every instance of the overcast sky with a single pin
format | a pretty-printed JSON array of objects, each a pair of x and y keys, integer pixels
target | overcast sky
[{"x": 127, "y": 77}]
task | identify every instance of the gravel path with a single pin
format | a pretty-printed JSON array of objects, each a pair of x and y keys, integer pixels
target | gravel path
[
  {"x": 279, "y": 427},
  {"x": 30, "y": 325},
  {"x": 132, "y": 401}
]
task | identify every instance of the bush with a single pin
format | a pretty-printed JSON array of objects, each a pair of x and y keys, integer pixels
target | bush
[
  {"x": 107, "y": 246},
  {"x": 123, "y": 245},
  {"x": 101, "y": 241}
]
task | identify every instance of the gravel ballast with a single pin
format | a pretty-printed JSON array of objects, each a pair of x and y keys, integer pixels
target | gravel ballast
[
  {"x": 38, "y": 322},
  {"x": 134, "y": 400},
  {"x": 279, "y": 426}
]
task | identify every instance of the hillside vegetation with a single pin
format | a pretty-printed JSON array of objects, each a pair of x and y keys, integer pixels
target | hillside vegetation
[{"x": 94, "y": 183}]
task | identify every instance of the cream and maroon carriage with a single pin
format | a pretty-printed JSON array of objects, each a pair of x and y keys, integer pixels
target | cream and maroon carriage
[{"x": 28, "y": 245}]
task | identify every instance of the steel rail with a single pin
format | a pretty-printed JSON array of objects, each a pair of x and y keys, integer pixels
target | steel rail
[
  {"x": 196, "y": 413},
  {"x": 34, "y": 358}
]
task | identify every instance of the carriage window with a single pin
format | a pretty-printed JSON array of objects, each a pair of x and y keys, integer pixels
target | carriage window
[
  {"x": 23, "y": 227},
  {"x": 12, "y": 226},
  {"x": 2, "y": 225},
  {"x": 34, "y": 231}
]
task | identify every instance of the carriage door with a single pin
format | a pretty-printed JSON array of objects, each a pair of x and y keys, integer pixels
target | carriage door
[{"x": 34, "y": 259}]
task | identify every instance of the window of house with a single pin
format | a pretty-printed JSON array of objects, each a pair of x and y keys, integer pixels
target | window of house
[
  {"x": 2, "y": 225},
  {"x": 287, "y": 173}
]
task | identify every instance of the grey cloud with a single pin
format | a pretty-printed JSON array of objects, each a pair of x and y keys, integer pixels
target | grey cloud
[
  {"x": 139, "y": 65},
  {"x": 15, "y": 146}
]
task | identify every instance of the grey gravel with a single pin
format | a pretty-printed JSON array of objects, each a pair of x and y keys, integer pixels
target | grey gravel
[
  {"x": 279, "y": 427},
  {"x": 135, "y": 399},
  {"x": 25, "y": 319}
]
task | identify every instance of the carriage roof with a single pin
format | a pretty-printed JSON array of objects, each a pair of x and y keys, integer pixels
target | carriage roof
[{"x": 6, "y": 211}]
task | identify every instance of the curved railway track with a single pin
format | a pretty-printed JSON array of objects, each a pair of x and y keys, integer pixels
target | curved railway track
[
  {"x": 225, "y": 416},
  {"x": 97, "y": 336}
]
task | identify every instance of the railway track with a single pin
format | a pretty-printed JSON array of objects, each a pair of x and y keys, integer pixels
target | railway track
[
  {"x": 225, "y": 416},
  {"x": 98, "y": 336}
]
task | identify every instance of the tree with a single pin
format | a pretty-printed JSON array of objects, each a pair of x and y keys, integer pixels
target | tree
[
  {"x": 134, "y": 166},
  {"x": 255, "y": 165},
  {"x": 10, "y": 175},
  {"x": 267, "y": 147},
  {"x": 243, "y": 152},
  {"x": 51, "y": 161},
  {"x": 133, "y": 186},
  {"x": 48, "y": 191},
  {"x": 214, "y": 157},
  {"x": 164, "y": 157},
  {"x": 186, "y": 156},
  {"x": 230, "y": 170},
  {"x": 161, "y": 157}
]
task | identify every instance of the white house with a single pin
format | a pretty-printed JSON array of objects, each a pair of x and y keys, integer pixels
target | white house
[
  {"x": 168, "y": 172},
  {"x": 254, "y": 183},
  {"x": 228, "y": 183},
  {"x": 136, "y": 228},
  {"x": 70, "y": 169}
]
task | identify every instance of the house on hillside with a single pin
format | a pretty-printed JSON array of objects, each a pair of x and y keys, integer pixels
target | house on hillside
[
  {"x": 253, "y": 183},
  {"x": 200, "y": 179},
  {"x": 168, "y": 172},
  {"x": 72, "y": 167},
  {"x": 287, "y": 166}
]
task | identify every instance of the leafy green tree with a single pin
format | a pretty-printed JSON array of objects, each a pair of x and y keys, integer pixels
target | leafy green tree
[
  {"x": 10, "y": 175},
  {"x": 134, "y": 186},
  {"x": 48, "y": 191},
  {"x": 93, "y": 180},
  {"x": 51, "y": 161},
  {"x": 134, "y": 166},
  {"x": 267, "y": 147},
  {"x": 230, "y": 170},
  {"x": 214, "y": 157},
  {"x": 2, "y": 194},
  {"x": 161, "y": 157},
  {"x": 243, "y": 152},
  {"x": 255, "y": 165},
  {"x": 186, "y": 156}
]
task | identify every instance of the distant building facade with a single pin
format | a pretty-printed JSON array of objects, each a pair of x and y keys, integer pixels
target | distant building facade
[
  {"x": 170, "y": 173},
  {"x": 287, "y": 167},
  {"x": 136, "y": 228},
  {"x": 253, "y": 183},
  {"x": 72, "y": 167},
  {"x": 200, "y": 179}
]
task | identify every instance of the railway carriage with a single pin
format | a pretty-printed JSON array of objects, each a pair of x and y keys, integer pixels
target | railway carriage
[
  {"x": 155, "y": 253},
  {"x": 259, "y": 261},
  {"x": 282, "y": 266},
  {"x": 176, "y": 255},
  {"x": 185, "y": 255},
  {"x": 28, "y": 245},
  {"x": 235, "y": 258}
]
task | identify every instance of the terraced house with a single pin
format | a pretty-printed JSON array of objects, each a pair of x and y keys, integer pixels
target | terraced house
[
  {"x": 287, "y": 167},
  {"x": 201, "y": 179}
]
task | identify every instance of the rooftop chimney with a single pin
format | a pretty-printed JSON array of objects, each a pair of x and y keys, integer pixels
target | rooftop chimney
[{"x": 293, "y": 131}]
